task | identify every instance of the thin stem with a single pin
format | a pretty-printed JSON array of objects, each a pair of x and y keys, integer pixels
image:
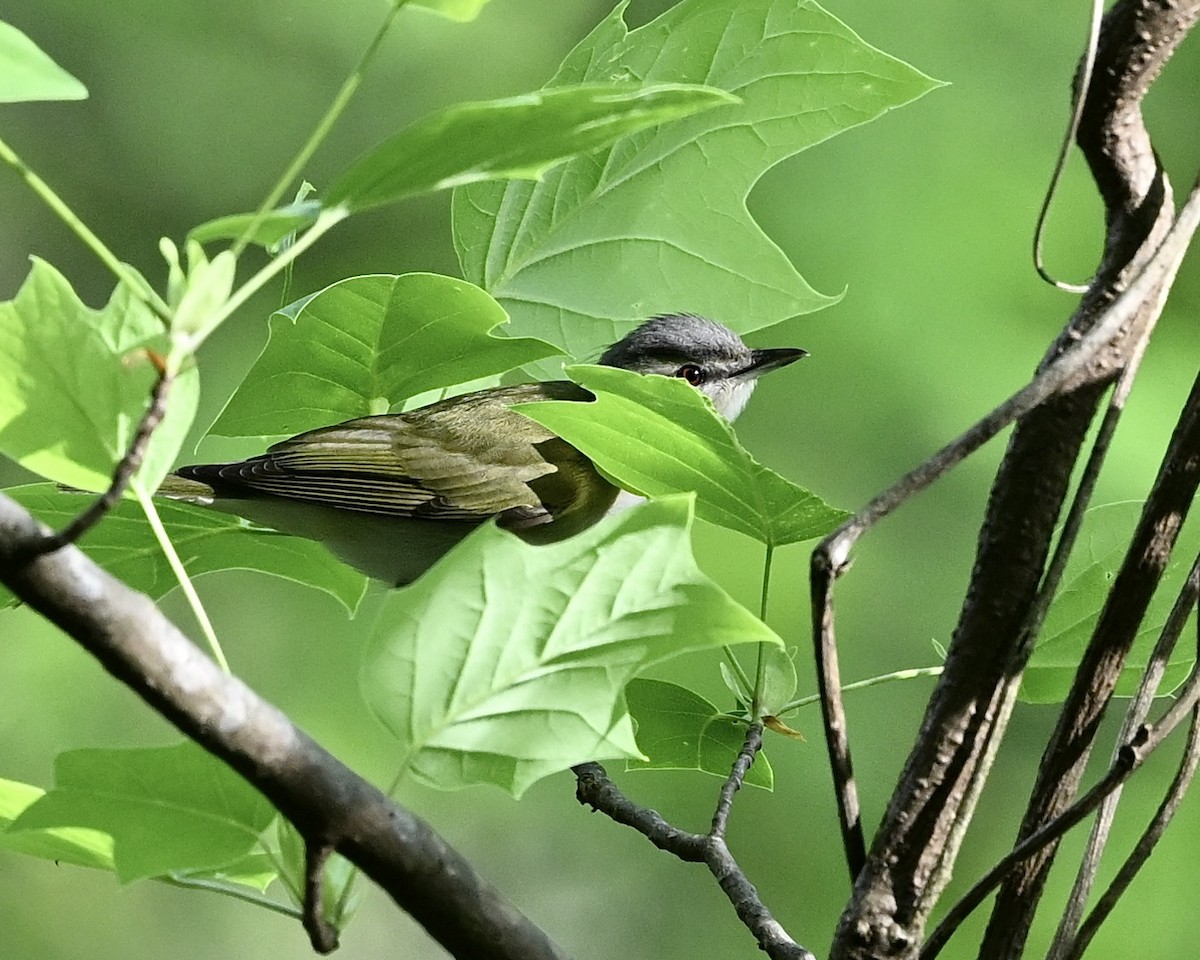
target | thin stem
[
  {"x": 738, "y": 669},
  {"x": 1146, "y": 843},
  {"x": 235, "y": 891},
  {"x": 760, "y": 670},
  {"x": 321, "y": 131},
  {"x": 1082, "y": 83},
  {"x": 181, "y": 575},
  {"x": 1065, "y": 943},
  {"x": 130, "y": 278},
  {"x": 910, "y": 674},
  {"x": 325, "y": 220}
]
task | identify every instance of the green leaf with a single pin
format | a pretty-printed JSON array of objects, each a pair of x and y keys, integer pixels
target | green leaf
[
  {"x": 363, "y": 345},
  {"x": 75, "y": 382},
  {"x": 26, "y": 73},
  {"x": 658, "y": 223},
  {"x": 779, "y": 680},
  {"x": 1076, "y": 608},
  {"x": 274, "y": 226},
  {"x": 205, "y": 290},
  {"x": 517, "y": 137},
  {"x": 206, "y": 540},
  {"x": 460, "y": 10},
  {"x": 166, "y": 808},
  {"x": 506, "y": 662},
  {"x": 677, "y": 729},
  {"x": 78, "y": 845},
  {"x": 659, "y": 435}
]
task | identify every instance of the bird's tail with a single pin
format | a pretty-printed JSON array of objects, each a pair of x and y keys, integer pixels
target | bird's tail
[{"x": 175, "y": 487}]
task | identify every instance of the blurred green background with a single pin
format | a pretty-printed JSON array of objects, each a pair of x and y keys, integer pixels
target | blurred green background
[{"x": 925, "y": 217}]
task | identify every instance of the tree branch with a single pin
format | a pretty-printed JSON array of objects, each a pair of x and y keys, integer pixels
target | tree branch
[
  {"x": 915, "y": 848},
  {"x": 1066, "y": 756},
  {"x": 325, "y": 800},
  {"x": 1140, "y": 742},
  {"x": 593, "y": 788}
]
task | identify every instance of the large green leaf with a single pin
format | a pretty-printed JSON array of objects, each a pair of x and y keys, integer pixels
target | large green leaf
[
  {"x": 1076, "y": 608},
  {"x": 506, "y": 662},
  {"x": 166, "y": 808},
  {"x": 363, "y": 345},
  {"x": 677, "y": 729},
  {"x": 74, "y": 383},
  {"x": 517, "y": 137},
  {"x": 659, "y": 435},
  {"x": 207, "y": 541},
  {"x": 658, "y": 223},
  {"x": 26, "y": 73}
]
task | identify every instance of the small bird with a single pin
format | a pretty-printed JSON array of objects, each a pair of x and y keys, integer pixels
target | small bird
[{"x": 390, "y": 494}]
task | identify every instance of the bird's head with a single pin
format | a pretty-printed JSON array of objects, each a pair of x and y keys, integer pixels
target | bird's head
[{"x": 706, "y": 354}]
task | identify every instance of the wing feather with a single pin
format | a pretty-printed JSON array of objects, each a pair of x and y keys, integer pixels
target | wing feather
[{"x": 467, "y": 459}]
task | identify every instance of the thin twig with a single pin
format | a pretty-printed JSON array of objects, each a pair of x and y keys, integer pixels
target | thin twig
[
  {"x": 594, "y": 788},
  {"x": 1146, "y": 843},
  {"x": 321, "y": 934},
  {"x": 1065, "y": 759},
  {"x": 833, "y": 712},
  {"x": 1135, "y": 716},
  {"x": 1129, "y": 759},
  {"x": 1083, "y": 81},
  {"x": 125, "y": 469},
  {"x": 737, "y": 776}
]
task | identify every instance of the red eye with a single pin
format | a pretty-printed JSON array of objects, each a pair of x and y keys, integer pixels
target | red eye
[{"x": 691, "y": 373}]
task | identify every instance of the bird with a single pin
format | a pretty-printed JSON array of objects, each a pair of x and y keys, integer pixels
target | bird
[{"x": 389, "y": 494}]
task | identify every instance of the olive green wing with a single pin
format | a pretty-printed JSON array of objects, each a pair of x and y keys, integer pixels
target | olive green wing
[{"x": 466, "y": 459}]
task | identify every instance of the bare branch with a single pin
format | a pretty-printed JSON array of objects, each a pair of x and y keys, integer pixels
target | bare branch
[
  {"x": 1135, "y": 716},
  {"x": 593, "y": 788},
  {"x": 1066, "y": 756},
  {"x": 915, "y": 848},
  {"x": 1142, "y": 740},
  {"x": 733, "y": 783},
  {"x": 1146, "y": 843},
  {"x": 132, "y": 639}
]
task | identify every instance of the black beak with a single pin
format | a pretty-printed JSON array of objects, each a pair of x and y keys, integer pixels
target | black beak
[{"x": 762, "y": 361}]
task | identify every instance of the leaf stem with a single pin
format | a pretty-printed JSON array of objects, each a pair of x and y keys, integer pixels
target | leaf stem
[
  {"x": 321, "y": 131},
  {"x": 325, "y": 220},
  {"x": 739, "y": 671},
  {"x": 130, "y": 278},
  {"x": 232, "y": 890},
  {"x": 185, "y": 582},
  {"x": 760, "y": 669},
  {"x": 910, "y": 674}
]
